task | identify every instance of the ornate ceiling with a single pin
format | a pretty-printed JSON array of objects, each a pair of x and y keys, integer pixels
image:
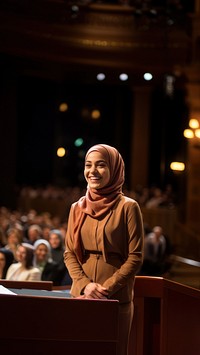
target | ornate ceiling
[{"x": 80, "y": 35}]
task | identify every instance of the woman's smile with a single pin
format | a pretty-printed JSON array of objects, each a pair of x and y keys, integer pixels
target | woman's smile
[{"x": 97, "y": 173}]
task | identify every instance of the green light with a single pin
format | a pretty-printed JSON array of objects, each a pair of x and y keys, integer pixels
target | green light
[{"x": 78, "y": 142}]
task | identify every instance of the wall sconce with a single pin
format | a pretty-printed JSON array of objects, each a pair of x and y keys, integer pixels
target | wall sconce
[
  {"x": 177, "y": 166},
  {"x": 193, "y": 132}
]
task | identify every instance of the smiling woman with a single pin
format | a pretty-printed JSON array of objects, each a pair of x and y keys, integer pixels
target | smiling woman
[
  {"x": 24, "y": 270},
  {"x": 104, "y": 240},
  {"x": 96, "y": 171}
]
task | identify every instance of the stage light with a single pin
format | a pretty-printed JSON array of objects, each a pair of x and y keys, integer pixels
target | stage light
[
  {"x": 101, "y": 76},
  {"x": 61, "y": 152},
  {"x": 63, "y": 107},
  {"x": 78, "y": 142},
  {"x": 123, "y": 77},
  {"x": 95, "y": 114},
  {"x": 148, "y": 76}
]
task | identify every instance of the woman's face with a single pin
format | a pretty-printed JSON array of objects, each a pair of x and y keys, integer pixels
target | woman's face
[
  {"x": 96, "y": 172},
  {"x": 54, "y": 240},
  {"x": 21, "y": 254},
  {"x": 2, "y": 261},
  {"x": 13, "y": 238},
  {"x": 41, "y": 253}
]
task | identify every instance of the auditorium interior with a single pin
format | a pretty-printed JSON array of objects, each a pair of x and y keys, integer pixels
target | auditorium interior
[{"x": 124, "y": 73}]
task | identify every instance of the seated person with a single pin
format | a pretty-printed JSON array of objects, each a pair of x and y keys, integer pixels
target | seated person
[
  {"x": 156, "y": 253},
  {"x": 57, "y": 251},
  {"x": 24, "y": 270},
  {"x": 43, "y": 260},
  {"x": 6, "y": 259},
  {"x": 13, "y": 240}
]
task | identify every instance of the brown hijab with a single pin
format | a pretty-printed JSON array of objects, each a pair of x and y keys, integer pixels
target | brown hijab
[{"x": 98, "y": 202}]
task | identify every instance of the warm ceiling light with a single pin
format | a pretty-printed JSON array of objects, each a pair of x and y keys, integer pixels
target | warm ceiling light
[
  {"x": 193, "y": 123},
  {"x": 188, "y": 133},
  {"x": 61, "y": 152},
  {"x": 177, "y": 166},
  {"x": 63, "y": 107},
  {"x": 95, "y": 114}
]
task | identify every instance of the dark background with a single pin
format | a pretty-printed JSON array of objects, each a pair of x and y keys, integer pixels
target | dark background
[{"x": 42, "y": 128}]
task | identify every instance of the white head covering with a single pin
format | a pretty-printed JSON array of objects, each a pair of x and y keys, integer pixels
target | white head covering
[{"x": 45, "y": 242}]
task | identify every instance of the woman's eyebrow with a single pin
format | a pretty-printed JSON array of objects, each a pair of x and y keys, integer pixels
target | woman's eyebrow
[{"x": 96, "y": 162}]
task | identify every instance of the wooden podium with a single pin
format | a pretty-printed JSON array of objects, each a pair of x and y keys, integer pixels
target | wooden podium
[
  {"x": 166, "y": 319},
  {"x": 56, "y": 324},
  {"x": 38, "y": 321}
]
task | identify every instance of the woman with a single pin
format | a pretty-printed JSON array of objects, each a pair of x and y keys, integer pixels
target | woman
[
  {"x": 104, "y": 240},
  {"x": 57, "y": 249},
  {"x": 43, "y": 260},
  {"x": 6, "y": 259},
  {"x": 13, "y": 241},
  {"x": 24, "y": 270}
]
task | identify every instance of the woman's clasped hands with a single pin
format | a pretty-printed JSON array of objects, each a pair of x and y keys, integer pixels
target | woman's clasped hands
[{"x": 95, "y": 291}]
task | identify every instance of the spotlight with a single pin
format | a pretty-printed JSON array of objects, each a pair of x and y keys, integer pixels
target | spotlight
[
  {"x": 123, "y": 76},
  {"x": 148, "y": 76},
  {"x": 101, "y": 76}
]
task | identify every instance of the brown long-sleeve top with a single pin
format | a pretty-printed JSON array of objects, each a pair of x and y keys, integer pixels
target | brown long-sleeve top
[{"x": 119, "y": 236}]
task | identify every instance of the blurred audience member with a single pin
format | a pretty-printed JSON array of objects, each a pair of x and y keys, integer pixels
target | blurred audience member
[
  {"x": 156, "y": 253},
  {"x": 24, "y": 270},
  {"x": 34, "y": 233},
  {"x": 6, "y": 259},
  {"x": 57, "y": 249},
  {"x": 43, "y": 260},
  {"x": 46, "y": 232},
  {"x": 13, "y": 240}
]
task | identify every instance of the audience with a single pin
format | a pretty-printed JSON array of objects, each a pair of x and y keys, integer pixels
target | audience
[
  {"x": 24, "y": 270},
  {"x": 6, "y": 259},
  {"x": 28, "y": 224},
  {"x": 146, "y": 196}
]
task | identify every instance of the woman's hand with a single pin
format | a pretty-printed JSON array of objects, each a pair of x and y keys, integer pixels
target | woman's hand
[{"x": 96, "y": 291}]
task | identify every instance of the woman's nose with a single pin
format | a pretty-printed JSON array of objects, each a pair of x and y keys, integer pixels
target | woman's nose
[{"x": 93, "y": 168}]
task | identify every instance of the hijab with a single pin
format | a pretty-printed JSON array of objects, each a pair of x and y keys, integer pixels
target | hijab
[
  {"x": 57, "y": 253},
  {"x": 98, "y": 202},
  {"x": 48, "y": 256}
]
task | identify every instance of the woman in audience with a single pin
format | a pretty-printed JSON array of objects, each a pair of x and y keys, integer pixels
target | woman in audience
[
  {"x": 24, "y": 270},
  {"x": 6, "y": 259},
  {"x": 13, "y": 241},
  {"x": 43, "y": 260},
  {"x": 57, "y": 250},
  {"x": 34, "y": 233}
]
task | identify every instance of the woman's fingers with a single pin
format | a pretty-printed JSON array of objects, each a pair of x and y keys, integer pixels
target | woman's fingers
[{"x": 94, "y": 290}]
